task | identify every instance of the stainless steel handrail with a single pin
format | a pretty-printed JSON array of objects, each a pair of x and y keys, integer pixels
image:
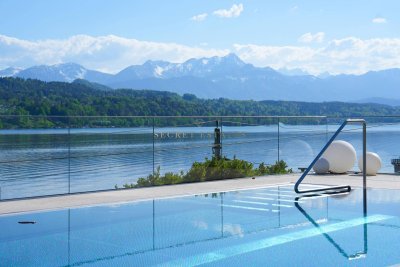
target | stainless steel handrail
[{"x": 342, "y": 188}]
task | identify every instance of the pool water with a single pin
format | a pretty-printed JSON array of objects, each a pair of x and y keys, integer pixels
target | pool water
[{"x": 261, "y": 227}]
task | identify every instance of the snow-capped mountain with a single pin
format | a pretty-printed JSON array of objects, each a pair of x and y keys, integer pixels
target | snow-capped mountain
[
  {"x": 230, "y": 65},
  {"x": 150, "y": 69},
  {"x": 293, "y": 72},
  {"x": 227, "y": 77},
  {"x": 203, "y": 67},
  {"x": 66, "y": 72},
  {"x": 61, "y": 72},
  {"x": 9, "y": 72},
  {"x": 213, "y": 77}
]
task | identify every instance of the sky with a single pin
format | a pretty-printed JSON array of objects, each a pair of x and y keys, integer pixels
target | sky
[{"x": 351, "y": 37}]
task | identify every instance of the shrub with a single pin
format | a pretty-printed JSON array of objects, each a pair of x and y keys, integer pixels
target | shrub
[{"x": 211, "y": 169}]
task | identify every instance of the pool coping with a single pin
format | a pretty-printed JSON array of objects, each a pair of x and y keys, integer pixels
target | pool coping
[{"x": 47, "y": 203}]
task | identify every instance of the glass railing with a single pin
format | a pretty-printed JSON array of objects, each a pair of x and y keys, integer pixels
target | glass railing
[
  {"x": 61, "y": 155},
  {"x": 382, "y": 138}
]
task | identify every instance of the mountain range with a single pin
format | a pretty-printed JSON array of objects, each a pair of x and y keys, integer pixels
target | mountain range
[{"x": 230, "y": 77}]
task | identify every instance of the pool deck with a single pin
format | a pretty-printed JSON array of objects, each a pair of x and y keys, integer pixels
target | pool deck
[{"x": 384, "y": 181}]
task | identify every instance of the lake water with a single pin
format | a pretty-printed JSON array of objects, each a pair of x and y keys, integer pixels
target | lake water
[{"x": 56, "y": 161}]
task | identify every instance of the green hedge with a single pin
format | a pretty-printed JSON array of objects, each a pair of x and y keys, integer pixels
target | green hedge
[{"x": 209, "y": 170}]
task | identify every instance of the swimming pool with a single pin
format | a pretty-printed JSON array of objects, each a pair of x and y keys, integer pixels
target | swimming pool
[{"x": 259, "y": 227}]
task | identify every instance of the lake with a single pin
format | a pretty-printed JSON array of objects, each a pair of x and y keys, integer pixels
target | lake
[{"x": 57, "y": 161}]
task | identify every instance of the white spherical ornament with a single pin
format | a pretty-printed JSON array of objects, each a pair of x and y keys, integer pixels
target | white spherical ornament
[
  {"x": 341, "y": 156},
  {"x": 321, "y": 166},
  {"x": 374, "y": 163}
]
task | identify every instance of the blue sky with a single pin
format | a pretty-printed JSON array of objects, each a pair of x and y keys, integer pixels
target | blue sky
[{"x": 351, "y": 36}]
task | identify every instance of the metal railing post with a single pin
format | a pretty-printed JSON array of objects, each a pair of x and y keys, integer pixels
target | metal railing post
[
  {"x": 153, "y": 147},
  {"x": 326, "y": 129},
  {"x": 278, "y": 140},
  {"x": 69, "y": 155},
  {"x": 365, "y": 168},
  {"x": 221, "y": 155}
]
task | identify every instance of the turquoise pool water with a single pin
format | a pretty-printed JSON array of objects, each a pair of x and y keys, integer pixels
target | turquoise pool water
[{"x": 262, "y": 227}]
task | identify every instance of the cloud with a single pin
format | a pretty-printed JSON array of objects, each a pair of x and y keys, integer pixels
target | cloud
[
  {"x": 309, "y": 37},
  {"x": 112, "y": 53},
  {"x": 106, "y": 53},
  {"x": 199, "y": 17},
  {"x": 349, "y": 55},
  {"x": 233, "y": 12},
  {"x": 379, "y": 20}
]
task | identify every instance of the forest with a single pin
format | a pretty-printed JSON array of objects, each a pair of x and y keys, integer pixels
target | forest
[{"x": 37, "y": 104}]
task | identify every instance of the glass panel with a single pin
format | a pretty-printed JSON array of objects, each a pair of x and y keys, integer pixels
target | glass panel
[
  {"x": 253, "y": 140},
  {"x": 109, "y": 152},
  {"x": 300, "y": 140},
  {"x": 33, "y": 157},
  {"x": 352, "y": 133},
  {"x": 382, "y": 138},
  {"x": 179, "y": 142},
  {"x": 382, "y": 134}
]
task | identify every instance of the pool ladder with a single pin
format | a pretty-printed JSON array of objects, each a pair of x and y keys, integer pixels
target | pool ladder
[{"x": 342, "y": 188}]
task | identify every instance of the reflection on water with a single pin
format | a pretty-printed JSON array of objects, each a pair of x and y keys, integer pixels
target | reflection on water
[
  {"x": 41, "y": 162},
  {"x": 193, "y": 230}
]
